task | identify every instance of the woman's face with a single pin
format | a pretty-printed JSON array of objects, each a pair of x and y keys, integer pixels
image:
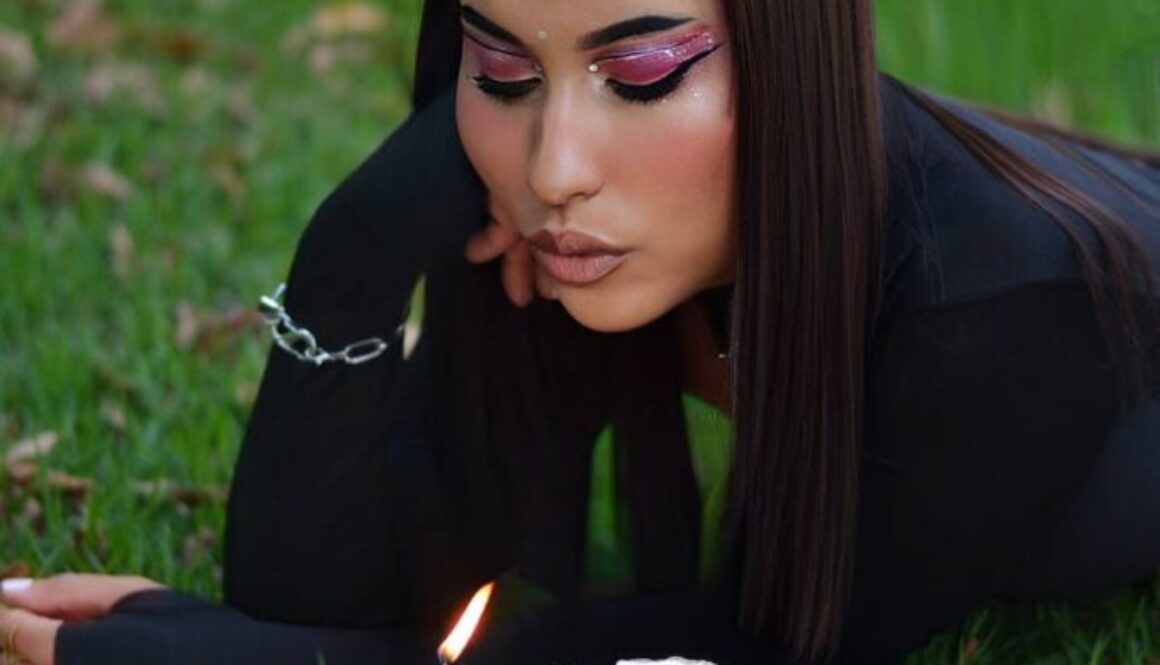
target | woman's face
[{"x": 612, "y": 119}]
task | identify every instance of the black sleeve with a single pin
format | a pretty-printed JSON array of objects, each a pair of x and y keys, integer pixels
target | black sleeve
[
  {"x": 984, "y": 418},
  {"x": 308, "y": 537},
  {"x": 165, "y": 626},
  {"x": 311, "y": 563}
]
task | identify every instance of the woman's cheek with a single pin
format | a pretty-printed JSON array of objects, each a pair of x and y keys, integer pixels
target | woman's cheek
[{"x": 491, "y": 137}]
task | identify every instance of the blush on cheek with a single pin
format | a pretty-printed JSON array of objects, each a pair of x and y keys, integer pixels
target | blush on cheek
[{"x": 493, "y": 138}]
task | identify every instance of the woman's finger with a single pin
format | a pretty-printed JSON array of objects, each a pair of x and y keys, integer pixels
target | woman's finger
[
  {"x": 28, "y": 638},
  {"x": 517, "y": 274},
  {"x": 72, "y": 596},
  {"x": 544, "y": 286},
  {"x": 491, "y": 241}
]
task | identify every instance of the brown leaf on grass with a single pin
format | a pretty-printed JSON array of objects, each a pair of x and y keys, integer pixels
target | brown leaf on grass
[
  {"x": 17, "y": 61},
  {"x": 183, "y": 45},
  {"x": 105, "y": 180},
  {"x": 227, "y": 179},
  {"x": 131, "y": 82},
  {"x": 21, "y": 124},
  {"x": 349, "y": 18},
  {"x": 325, "y": 57},
  {"x": 83, "y": 27},
  {"x": 209, "y": 329},
  {"x": 245, "y": 392},
  {"x": 56, "y": 181},
  {"x": 95, "y": 542},
  {"x": 32, "y": 514},
  {"x": 187, "y": 326},
  {"x": 59, "y": 182},
  {"x": 182, "y": 494},
  {"x": 31, "y": 448},
  {"x": 111, "y": 379},
  {"x": 197, "y": 546},
  {"x": 114, "y": 416},
  {"x": 24, "y": 474},
  {"x": 970, "y": 648},
  {"x": 16, "y": 569},
  {"x": 120, "y": 250}
]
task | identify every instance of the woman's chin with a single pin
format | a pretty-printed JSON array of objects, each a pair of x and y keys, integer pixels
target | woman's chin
[{"x": 608, "y": 313}]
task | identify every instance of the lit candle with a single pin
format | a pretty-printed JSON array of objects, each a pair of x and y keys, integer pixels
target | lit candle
[{"x": 452, "y": 647}]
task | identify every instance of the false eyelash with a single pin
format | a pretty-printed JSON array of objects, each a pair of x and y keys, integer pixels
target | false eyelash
[
  {"x": 646, "y": 94},
  {"x": 505, "y": 91}
]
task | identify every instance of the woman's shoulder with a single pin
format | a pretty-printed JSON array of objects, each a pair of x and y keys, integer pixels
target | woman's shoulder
[{"x": 958, "y": 232}]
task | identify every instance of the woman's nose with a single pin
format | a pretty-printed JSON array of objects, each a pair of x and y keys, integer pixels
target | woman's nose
[{"x": 564, "y": 162}]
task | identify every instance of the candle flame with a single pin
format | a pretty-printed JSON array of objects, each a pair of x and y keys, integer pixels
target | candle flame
[{"x": 457, "y": 639}]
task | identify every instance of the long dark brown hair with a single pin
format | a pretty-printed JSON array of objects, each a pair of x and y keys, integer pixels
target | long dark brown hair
[{"x": 811, "y": 206}]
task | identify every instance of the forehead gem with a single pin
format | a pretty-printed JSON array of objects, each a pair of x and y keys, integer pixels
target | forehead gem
[{"x": 542, "y": 35}]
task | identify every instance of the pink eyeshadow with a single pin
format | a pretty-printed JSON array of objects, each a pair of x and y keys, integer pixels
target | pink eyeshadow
[
  {"x": 649, "y": 64},
  {"x": 498, "y": 64}
]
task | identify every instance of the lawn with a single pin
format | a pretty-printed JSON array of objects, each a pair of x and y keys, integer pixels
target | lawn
[{"x": 158, "y": 159}]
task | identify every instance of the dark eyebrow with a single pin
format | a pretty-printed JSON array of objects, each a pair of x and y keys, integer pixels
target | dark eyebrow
[
  {"x": 633, "y": 27},
  {"x": 474, "y": 18}
]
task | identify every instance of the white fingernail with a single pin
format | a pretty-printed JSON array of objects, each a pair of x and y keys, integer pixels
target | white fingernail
[{"x": 15, "y": 585}]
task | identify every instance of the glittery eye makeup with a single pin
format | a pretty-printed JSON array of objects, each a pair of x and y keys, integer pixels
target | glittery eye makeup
[
  {"x": 645, "y": 65},
  {"x": 638, "y": 73},
  {"x": 497, "y": 63}
]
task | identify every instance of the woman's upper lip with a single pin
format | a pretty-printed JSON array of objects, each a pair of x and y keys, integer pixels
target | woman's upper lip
[{"x": 572, "y": 243}]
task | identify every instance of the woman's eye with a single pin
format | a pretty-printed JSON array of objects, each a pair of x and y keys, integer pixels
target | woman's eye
[
  {"x": 510, "y": 92},
  {"x": 645, "y": 94},
  {"x": 505, "y": 91}
]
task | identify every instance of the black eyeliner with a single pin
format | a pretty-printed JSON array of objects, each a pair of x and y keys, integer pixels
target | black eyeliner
[
  {"x": 654, "y": 91},
  {"x": 510, "y": 91}
]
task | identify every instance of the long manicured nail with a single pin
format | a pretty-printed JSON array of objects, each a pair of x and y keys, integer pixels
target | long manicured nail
[{"x": 15, "y": 585}]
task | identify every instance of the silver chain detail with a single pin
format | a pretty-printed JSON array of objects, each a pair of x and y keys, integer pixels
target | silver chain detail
[{"x": 300, "y": 342}]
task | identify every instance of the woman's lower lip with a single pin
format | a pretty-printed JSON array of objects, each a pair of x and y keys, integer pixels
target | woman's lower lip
[{"x": 579, "y": 270}]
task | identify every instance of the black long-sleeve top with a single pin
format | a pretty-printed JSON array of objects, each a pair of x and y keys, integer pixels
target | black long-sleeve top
[{"x": 369, "y": 502}]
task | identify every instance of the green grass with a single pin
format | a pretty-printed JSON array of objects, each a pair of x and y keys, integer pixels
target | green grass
[{"x": 230, "y": 139}]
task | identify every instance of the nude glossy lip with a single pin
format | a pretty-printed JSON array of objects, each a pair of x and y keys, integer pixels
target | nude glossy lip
[
  {"x": 578, "y": 269},
  {"x": 570, "y": 243},
  {"x": 575, "y": 258}
]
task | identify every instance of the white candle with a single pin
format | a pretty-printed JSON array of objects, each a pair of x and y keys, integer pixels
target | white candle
[{"x": 670, "y": 661}]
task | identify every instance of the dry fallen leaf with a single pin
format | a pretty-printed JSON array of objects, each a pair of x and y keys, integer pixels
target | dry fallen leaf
[
  {"x": 21, "y": 124},
  {"x": 131, "y": 82},
  {"x": 17, "y": 60},
  {"x": 185, "y": 495},
  {"x": 32, "y": 448},
  {"x": 197, "y": 546},
  {"x": 970, "y": 647},
  {"x": 24, "y": 474},
  {"x": 84, "y": 28},
  {"x": 59, "y": 182},
  {"x": 114, "y": 415},
  {"x": 121, "y": 250},
  {"x": 16, "y": 569},
  {"x": 349, "y": 18},
  {"x": 103, "y": 179},
  {"x": 207, "y": 329}
]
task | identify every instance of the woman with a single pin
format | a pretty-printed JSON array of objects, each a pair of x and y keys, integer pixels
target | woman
[{"x": 939, "y": 331}]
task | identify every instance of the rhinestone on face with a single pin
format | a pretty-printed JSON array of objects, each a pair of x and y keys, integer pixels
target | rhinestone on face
[
  {"x": 594, "y": 68},
  {"x": 542, "y": 35}
]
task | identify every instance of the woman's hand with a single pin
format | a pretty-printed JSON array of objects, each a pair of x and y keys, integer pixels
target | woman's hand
[
  {"x": 500, "y": 236},
  {"x": 38, "y": 607}
]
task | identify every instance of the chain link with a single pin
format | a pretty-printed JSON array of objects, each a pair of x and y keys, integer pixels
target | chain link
[{"x": 301, "y": 343}]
